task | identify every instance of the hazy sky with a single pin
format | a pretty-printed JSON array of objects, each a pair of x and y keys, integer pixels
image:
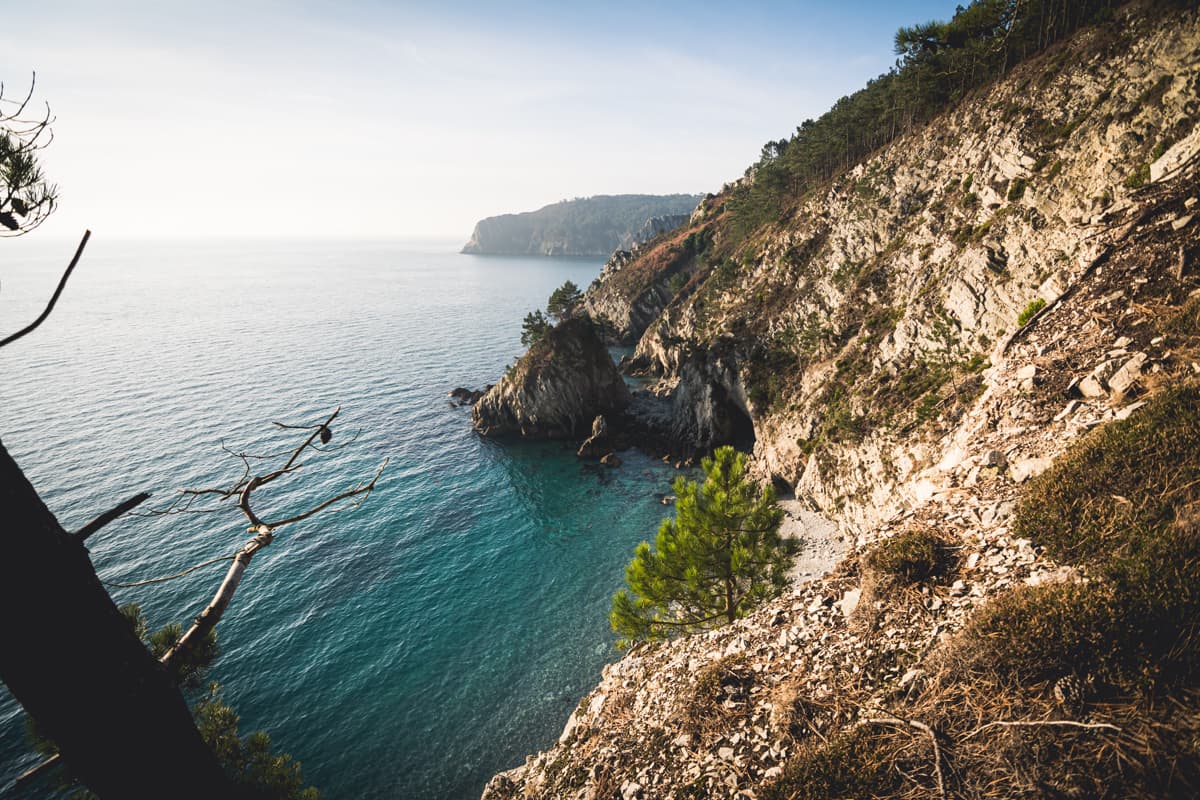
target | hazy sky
[{"x": 383, "y": 118}]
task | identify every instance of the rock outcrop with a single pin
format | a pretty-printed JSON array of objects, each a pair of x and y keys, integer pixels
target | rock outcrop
[
  {"x": 589, "y": 226},
  {"x": 556, "y": 389},
  {"x": 656, "y": 226},
  {"x": 866, "y": 317},
  {"x": 461, "y": 396},
  {"x": 599, "y": 443},
  {"x": 634, "y": 289}
]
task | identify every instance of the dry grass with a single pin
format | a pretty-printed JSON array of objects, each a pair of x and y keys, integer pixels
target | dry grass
[
  {"x": 1124, "y": 505},
  {"x": 720, "y": 695}
]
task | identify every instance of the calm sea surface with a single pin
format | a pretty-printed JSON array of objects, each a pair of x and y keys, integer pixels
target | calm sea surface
[{"x": 408, "y": 648}]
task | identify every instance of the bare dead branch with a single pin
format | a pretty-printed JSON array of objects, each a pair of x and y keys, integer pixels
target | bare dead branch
[
  {"x": 324, "y": 426},
  {"x": 38, "y": 769},
  {"x": 54, "y": 298},
  {"x": 108, "y": 516},
  {"x": 243, "y": 456},
  {"x": 1063, "y": 723},
  {"x": 187, "y": 571},
  {"x": 29, "y": 95},
  {"x": 211, "y": 615},
  {"x": 333, "y": 448},
  {"x": 360, "y": 489},
  {"x": 928, "y": 731},
  {"x": 264, "y": 532}
]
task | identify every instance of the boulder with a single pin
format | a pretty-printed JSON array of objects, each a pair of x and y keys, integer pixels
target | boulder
[
  {"x": 995, "y": 459},
  {"x": 1123, "y": 379},
  {"x": 563, "y": 381},
  {"x": 597, "y": 444},
  {"x": 461, "y": 396}
]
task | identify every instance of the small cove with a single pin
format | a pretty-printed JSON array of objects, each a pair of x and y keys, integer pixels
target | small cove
[{"x": 408, "y": 648}]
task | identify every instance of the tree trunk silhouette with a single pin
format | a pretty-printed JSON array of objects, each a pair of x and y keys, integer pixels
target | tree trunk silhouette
[{"x": 75, "y": 664}]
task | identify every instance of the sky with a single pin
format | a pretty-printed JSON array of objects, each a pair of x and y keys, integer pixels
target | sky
[{"x": 365, "y": 118}]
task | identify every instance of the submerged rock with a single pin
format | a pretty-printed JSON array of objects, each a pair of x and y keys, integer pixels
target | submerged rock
[{"x": 553, "y": 391}]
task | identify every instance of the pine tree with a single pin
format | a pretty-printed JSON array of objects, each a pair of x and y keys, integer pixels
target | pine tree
[
  {"x": 563, "y": 300},
  {"x": 534, "y": 328},
  {"x": 715, "y": 561}
]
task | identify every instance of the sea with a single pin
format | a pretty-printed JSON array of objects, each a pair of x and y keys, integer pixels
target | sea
[{"x": 407, "y": 647}]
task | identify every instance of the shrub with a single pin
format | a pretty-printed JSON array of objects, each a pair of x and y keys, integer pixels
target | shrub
[
  {"x": 1139, "y": 177},
  {"x": 1184, "y": 322},
  {"x": 856, "y": 764},
  {"x": 718, "y": 558},
  {"x": 534, "y": 328},
  {"x": 1030, "y": 311},
  {"x": 563, "y": 300},
  {"x": 1119, "y": 486},
  {"x": 1016, "y": 190},
  {"x": 676, "y": 283},
  {"x": 912, "y": 556},
  {"x": 1122, "y": 503}
]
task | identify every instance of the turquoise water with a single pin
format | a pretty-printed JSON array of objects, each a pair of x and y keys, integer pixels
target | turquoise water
[{"x": 409, "y": 648}]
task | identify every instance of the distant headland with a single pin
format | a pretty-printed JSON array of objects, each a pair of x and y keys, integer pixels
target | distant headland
[{"x": 585, "y": 226}]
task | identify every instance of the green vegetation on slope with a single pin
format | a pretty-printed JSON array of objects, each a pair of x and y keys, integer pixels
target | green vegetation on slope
[{"x": 939, "y": 63}]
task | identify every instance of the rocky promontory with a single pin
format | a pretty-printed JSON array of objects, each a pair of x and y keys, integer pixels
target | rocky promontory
[
  {"x": 585, "y": 226},
  {"x": 556, "y": 389}
]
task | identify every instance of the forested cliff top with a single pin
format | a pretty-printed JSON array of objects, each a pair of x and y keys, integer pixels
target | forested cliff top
[{"x": 585, "y": 226}]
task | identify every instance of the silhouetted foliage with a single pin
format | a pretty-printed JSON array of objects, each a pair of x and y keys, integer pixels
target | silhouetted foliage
[
  {"x": 26, "y": 198},
  {"x": 534, "y": 328},
  {"x": 248, "y": 760}
]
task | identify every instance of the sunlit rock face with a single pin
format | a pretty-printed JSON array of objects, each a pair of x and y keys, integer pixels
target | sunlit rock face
[{"x": 555, "y": 390}]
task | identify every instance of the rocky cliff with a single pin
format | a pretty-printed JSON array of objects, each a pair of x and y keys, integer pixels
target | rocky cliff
[
  {"x": 910, "y": 348},
  {"x": 556, "y": 389},
  {"x": 590, "y": 226},
  {"x": 864, "y": 322}
]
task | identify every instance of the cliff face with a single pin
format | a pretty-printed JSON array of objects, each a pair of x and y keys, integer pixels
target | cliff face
[
  {"x": 862, "y": 323},
  {"x": 555, "y": 390},
  {"x": 635, "y": 287},
  {"x": 867, "y": 347},
  {"x": 592, "y": 226}
]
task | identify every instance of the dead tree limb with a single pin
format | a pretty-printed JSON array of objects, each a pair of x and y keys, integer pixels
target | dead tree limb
[
  {"x": 1061, "y": 723},
  {"x": 108, "y": 516},
  {"x": 925, "y": 729},
  {"x": 264, "y": 532},
  {"x": 211, "y": 615},
  {"x": 166, "y": 578},
  {"x": 54, "y": 297}
]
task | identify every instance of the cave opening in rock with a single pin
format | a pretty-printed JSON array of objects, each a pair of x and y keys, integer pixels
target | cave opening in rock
[
  {"x": 736, "y": 426},
  {"x": 741, "y": 429}
]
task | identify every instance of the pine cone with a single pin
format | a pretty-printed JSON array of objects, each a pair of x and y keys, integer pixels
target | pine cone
[{"x": 1069, "y": 692}]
